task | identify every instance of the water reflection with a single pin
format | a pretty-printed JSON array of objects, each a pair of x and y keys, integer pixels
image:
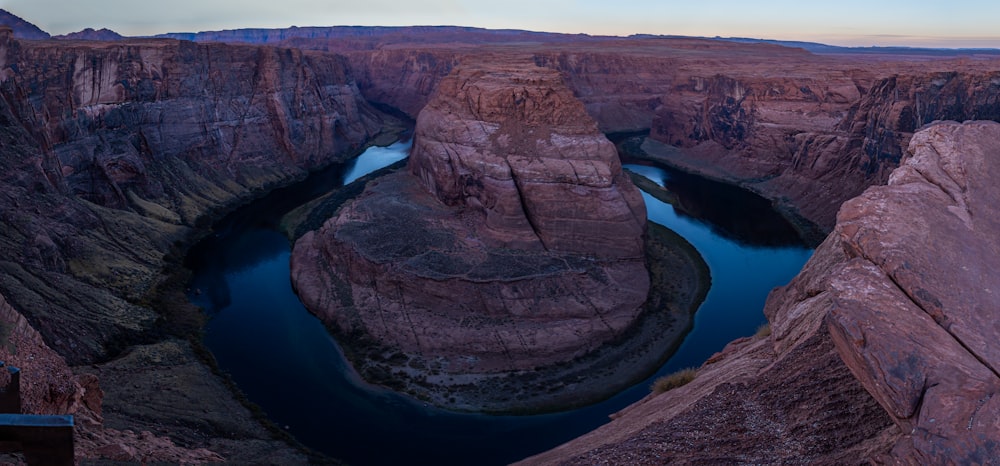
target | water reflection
[
  {"x": 730, "y": 212},
  {"x": 285, "y": 361}
]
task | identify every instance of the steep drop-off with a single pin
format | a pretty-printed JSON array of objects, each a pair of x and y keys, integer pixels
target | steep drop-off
[
  {"x": 114, "y": 156},
  {"x": 881, "y": 349},
  {"x": 130, "y": 145}
]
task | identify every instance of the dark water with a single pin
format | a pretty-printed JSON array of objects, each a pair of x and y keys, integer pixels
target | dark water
[{"x": 284, "y": 360}]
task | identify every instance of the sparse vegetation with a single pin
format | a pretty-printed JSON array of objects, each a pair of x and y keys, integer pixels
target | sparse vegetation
[
  {"x": 763, "y": 331},
  {"x": 674, "y": 380}
]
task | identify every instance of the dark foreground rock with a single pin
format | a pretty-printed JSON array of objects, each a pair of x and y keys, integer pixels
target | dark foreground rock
[{"x": 881, "y": 349}]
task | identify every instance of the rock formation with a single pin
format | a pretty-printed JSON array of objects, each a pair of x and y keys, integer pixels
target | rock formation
[
  {"x": 914, "y": 315},
  {"x": 114, "y": 157},
  {"x": 807, "y": 131},
  {"x": 21, "y": 28},
  {"x": 154, "y": 136},
  {"x": 516, "y": 242},
  {"x": 880, "y": 349}
]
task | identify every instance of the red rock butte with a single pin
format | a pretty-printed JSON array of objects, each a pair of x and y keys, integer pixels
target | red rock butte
[
  {"x": 515, "y": 241},
  {"x": 512, "y": 142}
]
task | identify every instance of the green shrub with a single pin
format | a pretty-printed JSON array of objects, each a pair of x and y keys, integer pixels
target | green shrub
[{"x": 672, "y": 381}]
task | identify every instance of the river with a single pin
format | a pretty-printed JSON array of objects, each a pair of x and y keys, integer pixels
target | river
[{"x": 285, "y": 361}]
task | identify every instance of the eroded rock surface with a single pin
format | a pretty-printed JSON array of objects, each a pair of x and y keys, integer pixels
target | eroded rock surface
[
  {"x": 113, "y": 157},
  {"x": 516, "y": 242},
  {"x": 916, "y": 305},
  {"x": 116, "y": 153},
  {"x": 808, "y": 131},
  {"x": 881, "y": 348}
]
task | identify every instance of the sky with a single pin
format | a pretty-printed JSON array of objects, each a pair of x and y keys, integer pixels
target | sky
[{"x": 938, "y": 23}]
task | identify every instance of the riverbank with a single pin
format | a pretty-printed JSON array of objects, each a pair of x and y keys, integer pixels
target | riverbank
[
  {"x": 184, "y": 395},
  {"x": 699, "y": 162},
  {"x": 679, "y": 278}
]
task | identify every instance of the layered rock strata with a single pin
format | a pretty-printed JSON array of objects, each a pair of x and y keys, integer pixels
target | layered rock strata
[
  {"x": 114, "y": 152},
  {"x": 515, "y": 242},
  {"x": 881, "y": 349},
  {"x": 807, "y": 131},
  {"x": 114, "y": 156}
]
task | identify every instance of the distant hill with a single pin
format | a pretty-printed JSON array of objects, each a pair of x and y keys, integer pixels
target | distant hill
[
  {"x": 90, "y": 34},
  {"x": 815, "y": 47},
  {"x": 22, "y": 29},
  {"x": 385, "y": 34}
]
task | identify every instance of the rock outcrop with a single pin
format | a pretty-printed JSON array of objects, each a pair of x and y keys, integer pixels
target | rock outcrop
[
  {"x": 880, "y": 349},
  {"x": 515, "y": 243},
  {"x": 48, "y": 386},
  {"x": 519, "y": 147},
  {"x": 915, "y": 304}
]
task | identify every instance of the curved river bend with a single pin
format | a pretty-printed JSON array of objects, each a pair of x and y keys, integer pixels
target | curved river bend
[{"x": 285, "y": 361}]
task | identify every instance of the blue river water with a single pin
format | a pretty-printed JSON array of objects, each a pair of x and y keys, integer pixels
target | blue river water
[{"x": 285, "y": 361}]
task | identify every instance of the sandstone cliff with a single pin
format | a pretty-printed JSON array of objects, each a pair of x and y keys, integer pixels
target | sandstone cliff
[
  {"x": 515, "y": 244},
  {"x": 807, "y": 131},
  {"x": 114, "y": 156},
  {"x": 122, "y": 148},
  {"x": 880, "y": 349}
]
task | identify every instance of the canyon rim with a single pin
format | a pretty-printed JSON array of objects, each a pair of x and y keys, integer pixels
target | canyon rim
[{"x": 118, "y": 153}]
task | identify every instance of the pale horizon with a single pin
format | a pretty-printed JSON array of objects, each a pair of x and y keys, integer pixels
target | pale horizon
[{"x": 855, "y": 23}]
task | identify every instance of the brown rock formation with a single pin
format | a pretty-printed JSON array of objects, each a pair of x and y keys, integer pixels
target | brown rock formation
[
  {"x": 898, "y": 300},
  {"x": 914, "y": 318},
  {"x": 516, "y": 242},
  {"x": 517, "y": 145},
  {"x": 113, "y": 157},
  {"x": 48, "y": 386},
  {"x": 155, "y": 136},
  {"x": 808, "y": 131}
]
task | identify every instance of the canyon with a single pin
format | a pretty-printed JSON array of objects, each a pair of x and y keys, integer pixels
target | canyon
[
  {"x": 117, "y": 155},
  {"x": 515, "y": 243},
  {"x": 872, "y": 354}
]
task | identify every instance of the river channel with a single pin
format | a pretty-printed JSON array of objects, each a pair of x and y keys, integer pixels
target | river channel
[{"x": 285, "y": 361}]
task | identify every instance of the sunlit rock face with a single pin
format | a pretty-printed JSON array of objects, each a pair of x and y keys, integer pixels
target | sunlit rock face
[{"x": 513, "y": 241}]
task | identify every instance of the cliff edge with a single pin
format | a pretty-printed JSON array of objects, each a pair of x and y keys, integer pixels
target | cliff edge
[{"x": 880, "y": 349}]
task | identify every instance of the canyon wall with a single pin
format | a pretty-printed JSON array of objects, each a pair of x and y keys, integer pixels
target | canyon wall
[
  {"x": 879, "y": 349},
  {"x": 813, "y": 141},
  {"x": 115, "y": 151},
  {"x": 114, "y": 157},
  {"x": 807, "y": 131}
]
